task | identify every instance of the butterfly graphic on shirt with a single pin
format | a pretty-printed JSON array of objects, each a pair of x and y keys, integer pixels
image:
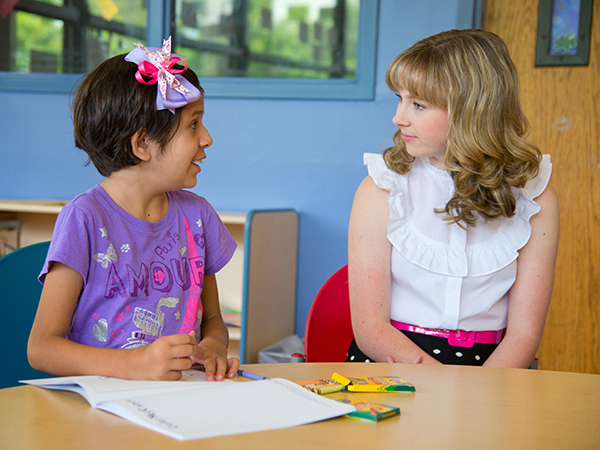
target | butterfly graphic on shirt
[{"x": 106, "y": 258}]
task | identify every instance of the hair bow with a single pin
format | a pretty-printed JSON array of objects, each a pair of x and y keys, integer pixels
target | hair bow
[{"x": 156, "y": 64}]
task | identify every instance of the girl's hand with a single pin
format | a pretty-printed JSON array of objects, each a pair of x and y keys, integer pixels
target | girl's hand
[
  {"x": 212, "y": 354},
  {"x": 165, "y": 358}
]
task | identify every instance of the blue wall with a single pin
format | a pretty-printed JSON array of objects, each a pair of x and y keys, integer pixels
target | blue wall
[{"x": 266, "y": 153}]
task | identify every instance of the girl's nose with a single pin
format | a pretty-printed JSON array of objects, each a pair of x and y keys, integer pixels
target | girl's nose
[
  {"x": 400, "y": 119},
  {"x": 205, "y": 139}
]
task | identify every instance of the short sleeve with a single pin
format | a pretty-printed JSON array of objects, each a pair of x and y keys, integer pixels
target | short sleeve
[
  {"x": 527, "y": 207},
  {"x": 70, "y": 244},
  {"x": 389, "y": 180},
  {"x": 535, "y": 187},
  {"x": 383, "y": 177},
  {"x": 220, "y": 246}
]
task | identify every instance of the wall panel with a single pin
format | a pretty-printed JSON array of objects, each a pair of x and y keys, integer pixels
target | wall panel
[{"x": 562, "y": 106}]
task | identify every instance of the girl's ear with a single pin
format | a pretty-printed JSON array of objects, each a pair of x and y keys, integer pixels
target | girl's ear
[{"x": 140, "y": 145}]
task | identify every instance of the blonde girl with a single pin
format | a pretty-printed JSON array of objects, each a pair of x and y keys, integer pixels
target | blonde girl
[{"x": 453, "y": 235}]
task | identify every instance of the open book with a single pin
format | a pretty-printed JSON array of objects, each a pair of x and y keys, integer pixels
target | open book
[{"x": 194, "y": 408}]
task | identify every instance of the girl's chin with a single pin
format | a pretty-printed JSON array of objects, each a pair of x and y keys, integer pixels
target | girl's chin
[{"x": 190, "y": 183}]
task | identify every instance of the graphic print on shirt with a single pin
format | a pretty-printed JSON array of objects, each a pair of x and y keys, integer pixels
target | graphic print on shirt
[
  {"x": 193, "y": 305},
  {"x": 100, "y": 330},
  {"x": 106, "y": 258},
  {"x": 161, "y": 274},
  {"x": 138, "y": 281},
  {"x": 150, "y": 324},
  {"x": 181, "y": 250}
]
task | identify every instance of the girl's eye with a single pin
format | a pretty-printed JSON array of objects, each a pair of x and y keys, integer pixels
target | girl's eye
[
  {"x": 418, "y": 106},
  {"x": 399, "y": 96},
  {"x": 194, "y": 124}
]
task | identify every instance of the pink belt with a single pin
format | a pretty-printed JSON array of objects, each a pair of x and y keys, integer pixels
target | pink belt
[{"x": 456, "y": 338}]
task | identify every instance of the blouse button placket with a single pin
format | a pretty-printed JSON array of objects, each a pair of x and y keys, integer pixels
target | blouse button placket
[{"x": 454, "y": 283}]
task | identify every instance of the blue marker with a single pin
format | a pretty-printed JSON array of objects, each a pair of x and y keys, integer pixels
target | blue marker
[{"x": 250, "y": 375}]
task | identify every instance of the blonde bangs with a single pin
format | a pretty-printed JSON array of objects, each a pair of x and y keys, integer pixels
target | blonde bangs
[{"x": 419, "y": 74}]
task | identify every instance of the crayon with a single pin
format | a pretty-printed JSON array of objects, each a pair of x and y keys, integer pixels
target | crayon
[
  {"x": 250, "y": 375},
  {"x": 322, "y": 386}
]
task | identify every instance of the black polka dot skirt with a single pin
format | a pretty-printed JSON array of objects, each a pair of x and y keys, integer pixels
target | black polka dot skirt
[{"x": 438, "y": 348}]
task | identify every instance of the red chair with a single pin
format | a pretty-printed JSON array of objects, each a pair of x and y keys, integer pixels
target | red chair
[{"x": 329, "y": 328}]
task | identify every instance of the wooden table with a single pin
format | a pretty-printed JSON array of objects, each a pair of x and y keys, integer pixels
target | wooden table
[{"x": 453, "y": 408}]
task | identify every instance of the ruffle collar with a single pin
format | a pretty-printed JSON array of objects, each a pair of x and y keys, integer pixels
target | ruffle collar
[{"x": 456, "y": 255}]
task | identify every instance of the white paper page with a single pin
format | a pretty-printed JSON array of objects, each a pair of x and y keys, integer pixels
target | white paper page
[
  {"x": 96, "y": 389},
  {"x": 228, "y": 408}
]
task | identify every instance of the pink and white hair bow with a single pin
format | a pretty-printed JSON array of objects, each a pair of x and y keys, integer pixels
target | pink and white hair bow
[{"x": 155, "y": 65}]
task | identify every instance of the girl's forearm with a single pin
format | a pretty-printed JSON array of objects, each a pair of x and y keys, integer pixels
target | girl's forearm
[
  {"x": 381, "y": 342},
  {"x": 215, "y": 328},
  {"x": 514, "y": 351},
  {"x": 164, "y": 359},
  {"x": 59, "y": 356}
]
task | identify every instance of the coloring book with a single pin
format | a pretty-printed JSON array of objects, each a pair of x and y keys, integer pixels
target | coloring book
[{"x": 195, "y": 408}]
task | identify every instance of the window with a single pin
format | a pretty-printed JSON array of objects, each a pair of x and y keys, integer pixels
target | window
[{"x": 239, "y": 48}]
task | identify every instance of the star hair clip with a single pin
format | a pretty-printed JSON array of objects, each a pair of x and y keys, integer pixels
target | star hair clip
[{"x": 156, "y": 66}]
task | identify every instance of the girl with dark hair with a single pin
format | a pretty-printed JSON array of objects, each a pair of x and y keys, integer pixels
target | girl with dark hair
[{"x": 129, "y": 280}]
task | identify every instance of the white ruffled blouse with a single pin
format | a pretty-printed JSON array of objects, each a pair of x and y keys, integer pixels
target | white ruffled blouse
[{"x": 444, "y": 276}]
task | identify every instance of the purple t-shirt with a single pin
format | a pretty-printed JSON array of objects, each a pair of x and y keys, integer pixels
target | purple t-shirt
[{"x": 142, "y": 280}]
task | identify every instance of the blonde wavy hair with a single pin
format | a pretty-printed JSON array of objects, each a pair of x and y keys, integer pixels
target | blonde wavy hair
[{"x": 469, "y": 73}]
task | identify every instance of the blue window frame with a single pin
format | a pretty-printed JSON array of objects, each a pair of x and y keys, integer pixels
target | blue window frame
[{"x": 361, "y": 87}]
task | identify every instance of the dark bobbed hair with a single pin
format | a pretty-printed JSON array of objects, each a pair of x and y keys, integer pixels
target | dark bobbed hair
[
  {"x": 110, "y": 106},
  {"x": 470, "y": 74}
]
